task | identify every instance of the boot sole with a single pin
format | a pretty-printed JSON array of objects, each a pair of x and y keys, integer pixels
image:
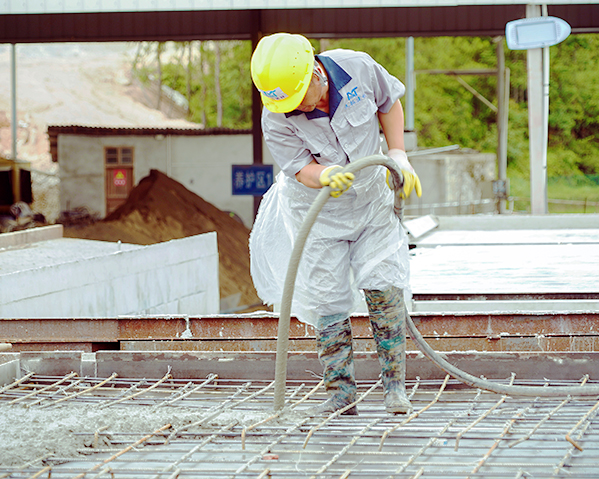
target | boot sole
[
  {"x": 316, "y": 411},
  {"x": 399, "y": 410}
]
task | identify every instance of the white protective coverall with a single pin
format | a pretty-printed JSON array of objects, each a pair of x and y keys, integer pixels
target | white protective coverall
[{"x": 357, "y": 241}]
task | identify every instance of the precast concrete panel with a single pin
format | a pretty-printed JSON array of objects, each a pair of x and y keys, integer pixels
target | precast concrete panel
[{"x": 167, "y": 278}]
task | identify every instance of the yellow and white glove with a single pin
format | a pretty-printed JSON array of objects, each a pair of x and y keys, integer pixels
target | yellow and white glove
[
  {"x": 334, "y": 177},
  {"x": 410, "y": 178}
]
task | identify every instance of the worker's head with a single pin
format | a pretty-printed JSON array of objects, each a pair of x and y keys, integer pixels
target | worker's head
[{"x": 282, "y": 69}]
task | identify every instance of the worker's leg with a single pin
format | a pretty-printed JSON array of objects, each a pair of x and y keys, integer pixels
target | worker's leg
[
  {"x": 334, "y": 344},
  {"x": 388, "y": 319}
]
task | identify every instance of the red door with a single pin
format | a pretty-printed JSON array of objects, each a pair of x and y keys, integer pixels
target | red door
[{"x": 119, "y": 176}]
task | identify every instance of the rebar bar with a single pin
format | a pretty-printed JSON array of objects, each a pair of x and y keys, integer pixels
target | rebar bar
[
  {"x": 139, "y": 393},
  {"x": 272, "y": 445},
  {"x": 80, "y": 393}
]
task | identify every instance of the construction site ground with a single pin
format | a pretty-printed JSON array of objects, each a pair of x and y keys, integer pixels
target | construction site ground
[{"x": 101, "y": 415}]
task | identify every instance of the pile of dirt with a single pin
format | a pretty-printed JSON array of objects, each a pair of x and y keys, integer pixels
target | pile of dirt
[{"x": 161, "y": 209}]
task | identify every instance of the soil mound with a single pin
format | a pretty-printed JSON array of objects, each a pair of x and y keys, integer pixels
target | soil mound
[{"x": 161, "y": 209}]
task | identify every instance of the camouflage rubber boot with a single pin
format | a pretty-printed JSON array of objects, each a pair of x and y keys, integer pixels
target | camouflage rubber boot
[
  {"x": 334, "y": 344},
  {"x": 388, "y": 320}
]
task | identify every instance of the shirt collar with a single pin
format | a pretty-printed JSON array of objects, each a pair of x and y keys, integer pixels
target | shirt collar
[{"x": 338, "y": 78}]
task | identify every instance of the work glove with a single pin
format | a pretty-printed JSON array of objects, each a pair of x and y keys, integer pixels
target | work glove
[
  {"x": 339, "y": 181},
  {"x": 410, "y": 178}
]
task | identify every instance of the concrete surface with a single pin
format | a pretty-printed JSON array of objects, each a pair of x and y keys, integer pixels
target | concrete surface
[{"x": 478, "y": 255}]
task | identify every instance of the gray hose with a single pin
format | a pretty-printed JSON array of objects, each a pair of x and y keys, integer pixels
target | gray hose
[{"x": 430, "y": 353}]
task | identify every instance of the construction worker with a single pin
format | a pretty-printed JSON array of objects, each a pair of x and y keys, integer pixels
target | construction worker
[{"x": 323, "y": 111}]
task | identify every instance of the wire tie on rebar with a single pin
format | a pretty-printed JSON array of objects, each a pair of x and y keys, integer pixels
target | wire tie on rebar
[
  {"x": 139, "y": 393},
  {"x": 270, "y": 418},
  {"x": 505, "y": 431},
  {"x": 584, "y": 418},
  {"x": 41, "y": 471},
  {"x": 415, "y": 387},
  {"x": 103, "y": 471},
  {"x": 522, "y": 473},
  {"x": 268, "y": 447},
  {"x": 418, "y": 474},
  {"x": 61, "y": 390},
  {"x": 182, "y": 394},
  {"x": 483, "y": 416},
  {"x": 123, "y": 451},
  {"x": 97, "y": 436},
  {"x": 27, "y": 465},
  {"x": 307, "y": 396},
  {"x": 66, "y": 378},
  {"x": 418, "y": 453},
  {"x": 195, "y": 449},
  {"x": 569, "y": 453},
  {"x": 340, "y": 412},
  {"x": 175, "y": 474},
  {"x": 217, "y": 410},
  {"x": 585, "y": 378},
  {"x": 16, "y": 383},
  {"x": 264, "y": 473},
  {"x": 415, "y": 414},
  {"x": 85, "y": 391},
  {"x": 346, "y": 448}
]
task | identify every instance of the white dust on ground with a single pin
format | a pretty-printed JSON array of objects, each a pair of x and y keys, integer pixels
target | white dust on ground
[{"x": 27, "y": 434}]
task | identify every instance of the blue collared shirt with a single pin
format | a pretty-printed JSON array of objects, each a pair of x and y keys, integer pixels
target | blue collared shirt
[{"x": 358, "y": 88}]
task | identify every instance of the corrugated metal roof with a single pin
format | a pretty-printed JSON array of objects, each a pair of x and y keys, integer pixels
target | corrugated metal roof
[
  {"x": 39, "y": 22},
  {"x": 96, "y": 6},
  {"x": 91, "y": 130},
  {"x": 142, "y": 130}
]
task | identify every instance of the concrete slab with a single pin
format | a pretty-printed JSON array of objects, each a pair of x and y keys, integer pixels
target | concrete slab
[
  {"x": 83, "y": 278},
  {"x": 500, "y": 269},
  {"x": 503, "y": 254},
  {"x": 32, "y": 235},
  {"x": 10, "y": 368},
  {"x": 50, "y": 363}
]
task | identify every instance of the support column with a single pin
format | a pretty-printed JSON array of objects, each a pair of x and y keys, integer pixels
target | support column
[
  {"x": 13, "y": 79},
  {"x": 536, "y": 125},
  {"x": 503, "y": 102},
  {"x": 409, "y": 126},
  {"x": 256, "y": 106}
]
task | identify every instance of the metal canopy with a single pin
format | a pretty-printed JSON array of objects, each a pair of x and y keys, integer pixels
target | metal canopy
[{"x": 112, "y": 26}]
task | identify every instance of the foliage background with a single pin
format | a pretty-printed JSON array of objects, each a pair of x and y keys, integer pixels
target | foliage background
[{"x": 215, "y": 79}]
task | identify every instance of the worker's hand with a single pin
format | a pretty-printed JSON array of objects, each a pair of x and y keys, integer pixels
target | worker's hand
[
  {"x": 410, "y": 178},
  {"x": 339, "y": 181}
]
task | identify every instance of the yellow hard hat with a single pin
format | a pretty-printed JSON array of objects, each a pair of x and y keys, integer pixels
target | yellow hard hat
[{"x": 281, "y": 68}]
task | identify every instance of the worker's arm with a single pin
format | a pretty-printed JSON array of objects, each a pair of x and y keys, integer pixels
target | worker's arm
[
  {"x": 309, "y": 175},
  {"x": 315, "y": 175},
  {"x": 392, "y": 124}
]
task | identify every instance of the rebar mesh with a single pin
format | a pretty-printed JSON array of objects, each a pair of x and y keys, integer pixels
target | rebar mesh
[{"x": 213, "y": 428}]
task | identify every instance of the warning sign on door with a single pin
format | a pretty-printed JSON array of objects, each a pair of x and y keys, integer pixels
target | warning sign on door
[{"x": 119, "y": 177}]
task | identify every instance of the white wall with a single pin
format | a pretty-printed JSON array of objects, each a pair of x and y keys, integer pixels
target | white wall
[
  {"x": 457, "y": 176},
  {"x": 175, "y": 277},
  {"x": 201, "y": 163}
]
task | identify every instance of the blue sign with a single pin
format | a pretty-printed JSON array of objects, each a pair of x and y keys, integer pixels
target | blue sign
[{"x": 251, "y": 179}]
